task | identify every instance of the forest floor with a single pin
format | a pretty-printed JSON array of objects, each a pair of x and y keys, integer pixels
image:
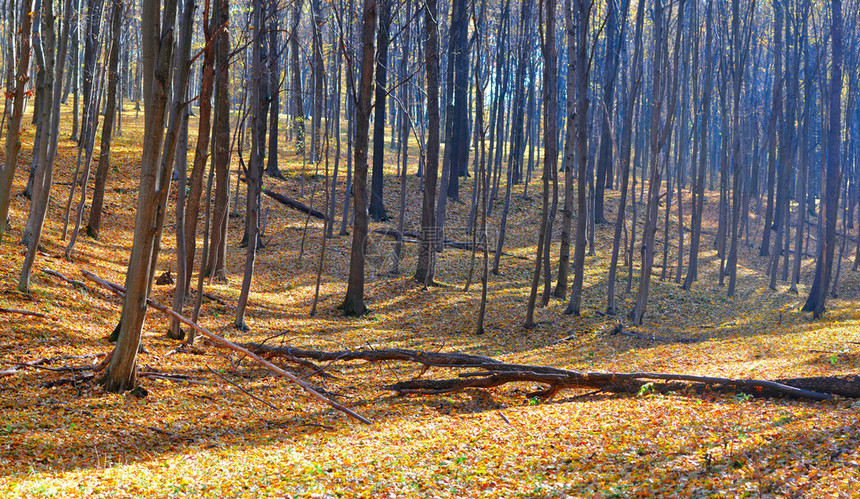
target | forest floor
[{"x": 206, "y": 437}]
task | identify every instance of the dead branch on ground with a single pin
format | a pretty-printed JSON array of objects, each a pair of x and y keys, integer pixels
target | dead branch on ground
[
  {"x": 120, "y": 291},
  {"x": 486, "y": 372}
]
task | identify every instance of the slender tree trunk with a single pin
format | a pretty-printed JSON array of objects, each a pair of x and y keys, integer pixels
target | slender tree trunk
[
  {"x": 776, "y": 112},
  {"x": 404, "y": 122},
  {"x": 739, "y": 54},
  {"x": 13, "y": 135},
  {"x": 425, "y": 268},
  {"x": 581, "y": 148},
  {"x": 659, "y": 132},
  {"x": 824, "y": 266},
  {"x": 296, "y": 74},
  {"x": 201, "y": 151},
  {"x": 550, "y": 156},
  {"x": 255, "y": 165},
  {"x": 610, "y": 70},
  {"x": 318, "y": 76},
  {"x": 699, "y": 200},
  {"x": 94, "y": 223},
  {"x": 569, "y": 155},
  {"x": 634, "y": 83},
  {"x": 274, "y": 73},
  {"x": 215, "y": 262},
  {"x": 353, "y": 303},
  {"x": 377, "y": 208},
  {"x": 50, "y": 131}
]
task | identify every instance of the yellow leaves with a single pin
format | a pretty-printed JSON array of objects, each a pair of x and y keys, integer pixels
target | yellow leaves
[{"x": 223, "y": 444}]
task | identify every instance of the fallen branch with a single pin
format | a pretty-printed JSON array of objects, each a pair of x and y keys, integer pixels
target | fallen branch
[
  {"x": 488, "y": 372},
  {"x": 21, "y": 312},
  {"x": 265, "y": 353},
  {"x": 73, "y": 282},
  {"x": 176, "y": 378},
  {"x": 40, "y": 363},
  {"x": 434, "y": 359},
  {"x": 119, "y": 290},
  {"x": 414, "y": 237},
  {"x": 74, "y": 380},
  {"x": 292, "y": 203}
]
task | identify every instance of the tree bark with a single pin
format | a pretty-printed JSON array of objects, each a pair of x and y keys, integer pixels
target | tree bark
[
  {"x": 377, "y": 207},
  {"x": 550, "y": 156},
  {"x": 581, "y": 134},
  {"x": 94, "y": 223},
  {"x": 255, "y": 165},
  {"x": 13, "y": 133},
  {"x": 824, "y": 265},
  {"x": 216, "y": 264},
  {"x": 425, "y": 268},
  {"x": 353, "y": 303},
  {"x": 634, "y": 84},
  {"x": 157, "y": 55}
]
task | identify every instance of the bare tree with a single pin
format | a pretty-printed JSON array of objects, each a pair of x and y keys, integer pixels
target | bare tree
[
  {"x": 353, "y": 303},
  {"x": 548, "y": 47},
  {"x": 581, "y": 154},
  {"x": 824, "y": 265},
  {"x": 157, "y": 42},
  {"x": 634, "y": 83},
  {"x": 50, "y": 118},
  {"x": 13, "y": 134},
  {"x": 425, "y": 268},
  {"x": 255, "y": 165}
]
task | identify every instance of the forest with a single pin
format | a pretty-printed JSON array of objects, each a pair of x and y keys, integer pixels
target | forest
[{"x": 430, "y": 248}]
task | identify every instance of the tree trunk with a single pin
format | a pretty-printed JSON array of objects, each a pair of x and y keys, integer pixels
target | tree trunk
[
  {"x": 551, "y": 155},
  {"x": 634, "y": 84},
  {"x": 296, "y": 74},
  {"x": 274, "y": 73},
  {"x": 50, "y": 134},
  {"x": 569, "y": 155},
  {"x": 318, "y": 77},
  {"x": 610, "y": 70},
  {"x": 659, "y": 132},
  {"x": 581, "y": 148},
  {"x": 157, "y": 55},
  {"x": 216, "y": 264},
  {"x": 201, "y": 151},
  {"x": 824, "y": 265},
  {"x": 425, "y": 268},
  {"x": 94, "y": 223},
  {"x": 776, "y": 112},
  {"x": 353, "y": 303},
  {"x": 255, "y": 165},
  {"x": 377, "y": 208},
  {"x": 13, "y": 134}
]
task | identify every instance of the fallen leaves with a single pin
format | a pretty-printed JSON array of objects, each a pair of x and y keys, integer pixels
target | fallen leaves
[{"x": 197, "y": 434}]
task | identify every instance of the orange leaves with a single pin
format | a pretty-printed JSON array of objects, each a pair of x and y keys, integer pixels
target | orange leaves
[{"x": 203, "y": 437}]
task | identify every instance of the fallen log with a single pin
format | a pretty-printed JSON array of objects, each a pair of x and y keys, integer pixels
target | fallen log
[
  {"x": 487, "y": 372},
  {"x": 73, "y": 282},
  {"x": 296, "y": 205},
  {"x": 119, "y": 290},
  {"x": 292, "y": 203},
  {"x": 21, "y": 312},
  {"x": 414, "y": 237},
  {"x": 433, "y": 359}
]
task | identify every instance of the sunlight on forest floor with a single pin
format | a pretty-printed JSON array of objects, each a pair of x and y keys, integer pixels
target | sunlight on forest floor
[{"x": 207, "y": 437}]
